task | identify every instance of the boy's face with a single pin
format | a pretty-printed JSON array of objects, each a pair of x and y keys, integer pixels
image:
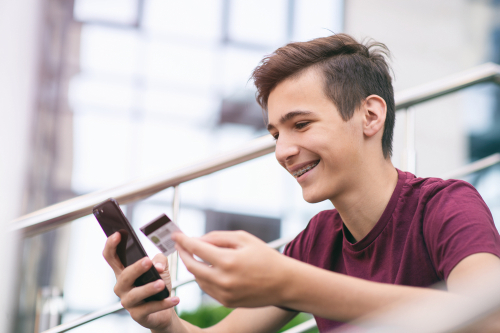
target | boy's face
[{"x": 314, "y": 144}]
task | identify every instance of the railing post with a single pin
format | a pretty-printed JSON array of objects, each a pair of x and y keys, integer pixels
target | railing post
[
  {"x": 409, "y": 157},
  {"x": 174, "y": 257},
  {"x": 50, "y": 307}
]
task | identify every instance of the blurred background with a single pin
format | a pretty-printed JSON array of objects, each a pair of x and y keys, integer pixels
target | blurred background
[{"x": 96, "y": 93}]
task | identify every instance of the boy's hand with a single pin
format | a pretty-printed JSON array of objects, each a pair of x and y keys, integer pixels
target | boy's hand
[
  {"x": 244, "y": 271},
  {"x": 157, "y": 315}
]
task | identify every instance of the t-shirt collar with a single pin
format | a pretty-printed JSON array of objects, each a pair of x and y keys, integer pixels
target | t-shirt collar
[{"x": 382, "y": 222}]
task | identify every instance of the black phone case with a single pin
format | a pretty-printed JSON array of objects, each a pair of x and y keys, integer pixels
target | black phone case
[{"x": 149, "y": 276}]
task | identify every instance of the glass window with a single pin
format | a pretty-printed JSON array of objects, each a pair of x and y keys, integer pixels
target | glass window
[
  {"x": 102, "y": 156},
  {"x": 197, "y": 108},
  {"x": 164, "y": 145},
  {"x": 109, "y": 51},
  {"x": 317, "y": 18},
  {"x": 236, "y": 65},
  {"x": 113, "y": 11},
  {"x": 184, "y": 65},
  {"x": 101, "y": 92},
  {"x": 481, "y": 99},
  {"x": 193, "y": 19},
  {"x": 258, "y": 22}
]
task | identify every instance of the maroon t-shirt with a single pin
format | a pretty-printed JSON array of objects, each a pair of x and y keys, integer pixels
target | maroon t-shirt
[{"x": 428, "y": 226}]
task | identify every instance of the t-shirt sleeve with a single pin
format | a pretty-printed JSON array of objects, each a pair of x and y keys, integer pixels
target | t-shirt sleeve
[{"x": 457, "y": 223}]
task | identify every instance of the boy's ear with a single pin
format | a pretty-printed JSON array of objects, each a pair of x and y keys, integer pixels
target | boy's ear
[{"x": 375, "y": 110}]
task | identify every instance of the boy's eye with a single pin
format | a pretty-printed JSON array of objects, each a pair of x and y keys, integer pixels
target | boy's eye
[
  {"x": 301, "y": 125},
  {"x": 275, "y": 136}
]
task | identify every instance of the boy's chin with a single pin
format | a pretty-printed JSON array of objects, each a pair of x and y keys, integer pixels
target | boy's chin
[{"x": 313, "y": 197}]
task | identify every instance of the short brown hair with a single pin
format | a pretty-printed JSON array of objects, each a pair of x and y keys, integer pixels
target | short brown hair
[{"x": 352, "y": 72}]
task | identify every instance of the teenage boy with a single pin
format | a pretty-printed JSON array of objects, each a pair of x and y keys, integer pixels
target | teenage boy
[{"x": 330, "y": 107}]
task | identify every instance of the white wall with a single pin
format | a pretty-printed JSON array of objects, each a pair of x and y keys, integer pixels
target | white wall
[{"x": 19, "y": 21}]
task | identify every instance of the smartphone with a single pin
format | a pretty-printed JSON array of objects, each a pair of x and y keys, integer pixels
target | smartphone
[{"x": 129, "y": 250}]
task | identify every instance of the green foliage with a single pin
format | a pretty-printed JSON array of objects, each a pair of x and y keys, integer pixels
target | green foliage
[{"x": 206, "y": 316}]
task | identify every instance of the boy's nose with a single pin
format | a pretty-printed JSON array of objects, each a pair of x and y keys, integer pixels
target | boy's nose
[{"x": 285, "y": 151}]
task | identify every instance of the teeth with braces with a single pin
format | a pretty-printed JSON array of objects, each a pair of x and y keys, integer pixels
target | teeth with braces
[{"x": 304, "y": 170}]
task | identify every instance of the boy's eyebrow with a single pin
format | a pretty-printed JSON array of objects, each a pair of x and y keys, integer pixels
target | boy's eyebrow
[{"x": 288, "y": 116}]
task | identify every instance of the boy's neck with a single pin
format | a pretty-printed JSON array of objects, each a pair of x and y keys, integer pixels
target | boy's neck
[{"x": 362, "y": 206}]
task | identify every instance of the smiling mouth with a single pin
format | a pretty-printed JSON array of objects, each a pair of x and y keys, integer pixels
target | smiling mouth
[{"x": 306, "y": 168}]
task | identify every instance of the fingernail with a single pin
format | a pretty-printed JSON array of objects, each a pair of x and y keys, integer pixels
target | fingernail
[
  {"x": 175, "y": 300},
  {"x": 174, "y": 236},
  {"x": 145, "y": 262},
  {"x": 159, "y": 284},
  {"x": 115, "y": 235},
  {"x": 159, "y": 266}
]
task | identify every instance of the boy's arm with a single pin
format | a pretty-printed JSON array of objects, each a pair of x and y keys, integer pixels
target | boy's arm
[
  {"x": 343, "y": 298},
  {"x": 159, "y": 316},
  {"x": 246, "y": 272}
]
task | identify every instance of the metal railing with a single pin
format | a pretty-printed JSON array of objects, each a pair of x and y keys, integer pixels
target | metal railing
[
  {"x": 58, "y": 214},
  {"x": 406, "y": 99}
]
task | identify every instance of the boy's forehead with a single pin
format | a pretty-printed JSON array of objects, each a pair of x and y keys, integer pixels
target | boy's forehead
[
  {"x": 305, "y": 83},
  {"x": 299, "y": 92}
]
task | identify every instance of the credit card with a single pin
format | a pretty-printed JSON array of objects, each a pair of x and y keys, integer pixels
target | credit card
[{"x": 159, "y": 231}]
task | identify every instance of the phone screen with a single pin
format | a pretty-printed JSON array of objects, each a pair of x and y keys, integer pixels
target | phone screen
[{"x": 113, "y": 220}]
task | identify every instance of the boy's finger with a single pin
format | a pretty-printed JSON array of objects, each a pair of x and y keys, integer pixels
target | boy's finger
[
  {"x": 202, "y": 249},
  {"x": 229, "y": 239},
  {"x": 138, "y": 294},
  {"x": 160, "y": 262},
  {"x": 198, "y": 269},
  {"x": 109, "y": 253},
  {"x": 125, "y": 281},
  {"x": 140, "y": 312}
]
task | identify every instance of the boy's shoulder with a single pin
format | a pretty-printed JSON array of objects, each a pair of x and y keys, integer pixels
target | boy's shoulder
[
  {"x": 430, "y": 189},
  {"x": 430, "y": 183}
]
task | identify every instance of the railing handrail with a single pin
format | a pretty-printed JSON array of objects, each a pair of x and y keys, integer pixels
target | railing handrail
[
  {"x": 55, "y": 215},
  {"x": 488, "y": 72},
  {"x": 473, "y": 167}
]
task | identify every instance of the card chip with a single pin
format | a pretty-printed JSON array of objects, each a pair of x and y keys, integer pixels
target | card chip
[{"x": 159, "y": 231}]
